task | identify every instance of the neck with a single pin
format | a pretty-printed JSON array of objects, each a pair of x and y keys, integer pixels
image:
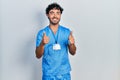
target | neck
[{"x": 54, "y": 28}]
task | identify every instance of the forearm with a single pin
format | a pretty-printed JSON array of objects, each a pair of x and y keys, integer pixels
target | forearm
[
  {"x": 72, "y": 49},
  {"x": 40, "y": 51}
]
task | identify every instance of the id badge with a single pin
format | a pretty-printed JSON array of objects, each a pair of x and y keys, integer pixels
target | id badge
[{"x": 56, "y": 47}]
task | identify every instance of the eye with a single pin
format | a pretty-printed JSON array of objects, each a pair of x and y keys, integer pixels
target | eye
[
  {"x": 51, "y": 12},
  {"x": 58, "y": 13}
]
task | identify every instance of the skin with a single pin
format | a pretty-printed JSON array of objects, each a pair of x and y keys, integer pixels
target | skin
[{"x": 54, "y": 17}]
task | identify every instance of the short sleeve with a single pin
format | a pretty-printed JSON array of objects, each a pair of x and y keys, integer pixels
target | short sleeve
[{"x": 39, "y": 38}]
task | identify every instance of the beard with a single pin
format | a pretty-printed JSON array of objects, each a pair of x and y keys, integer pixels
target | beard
[{"x": 54, "y": 21}]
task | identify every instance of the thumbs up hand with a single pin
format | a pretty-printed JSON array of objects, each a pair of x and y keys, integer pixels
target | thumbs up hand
[
  {"x": 71, "y": 38},
  {"x": 71, "y": 46},
  {"x": 45, "y": 39}
]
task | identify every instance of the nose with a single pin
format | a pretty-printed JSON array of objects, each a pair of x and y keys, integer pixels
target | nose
[{"x": 55, "y": 14}]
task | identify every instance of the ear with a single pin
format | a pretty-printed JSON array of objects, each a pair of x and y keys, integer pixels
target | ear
[{"x": 47, "y": 15}]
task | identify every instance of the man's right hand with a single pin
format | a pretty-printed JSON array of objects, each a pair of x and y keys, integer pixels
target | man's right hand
[{"x": 45, "y": 39}]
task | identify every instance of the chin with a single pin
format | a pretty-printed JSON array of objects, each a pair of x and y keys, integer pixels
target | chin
[{"x": 54, "y": 23}]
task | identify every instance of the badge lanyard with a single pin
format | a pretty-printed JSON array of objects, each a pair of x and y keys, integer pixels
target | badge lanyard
[
  {"x": 56, "y": 46},
  {"x": 55, "y": 35}
]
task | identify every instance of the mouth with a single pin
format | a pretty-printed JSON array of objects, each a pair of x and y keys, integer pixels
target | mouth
[{"x": 55, "y": 18}]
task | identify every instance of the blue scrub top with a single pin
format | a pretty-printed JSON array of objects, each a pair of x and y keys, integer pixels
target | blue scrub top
[{"x": 55, "y": 62}]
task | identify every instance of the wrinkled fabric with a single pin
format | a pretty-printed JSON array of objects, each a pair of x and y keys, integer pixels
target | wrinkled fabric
[
  {"x": 57, "y": 77},
  {"x": 55, "y": 61}
]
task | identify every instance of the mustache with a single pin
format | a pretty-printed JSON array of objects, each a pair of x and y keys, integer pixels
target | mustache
[{"x": 54, "y": 18}]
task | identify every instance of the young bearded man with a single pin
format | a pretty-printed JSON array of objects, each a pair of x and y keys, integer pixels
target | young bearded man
[{"x": 52, "y": 44}]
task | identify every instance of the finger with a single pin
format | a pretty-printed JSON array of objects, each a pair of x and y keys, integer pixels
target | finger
[
  {"x": 44, "y": 34},
  {"x": 71, "y": 33}
]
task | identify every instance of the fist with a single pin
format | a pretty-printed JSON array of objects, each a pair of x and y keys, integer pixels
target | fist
[
  {"x": 71, "y": 38},
  {"x": 45, "y": 39}
]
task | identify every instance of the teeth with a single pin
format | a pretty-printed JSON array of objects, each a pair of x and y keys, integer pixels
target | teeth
[{"x": 54, "y": 19}]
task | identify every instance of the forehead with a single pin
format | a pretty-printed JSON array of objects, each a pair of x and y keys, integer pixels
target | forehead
[{"x": 54, "y": 10}]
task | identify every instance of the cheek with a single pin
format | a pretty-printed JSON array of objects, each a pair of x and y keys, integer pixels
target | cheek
[
  {"x": 59, "y": 16},
  {"x": 51, "y": 17}
]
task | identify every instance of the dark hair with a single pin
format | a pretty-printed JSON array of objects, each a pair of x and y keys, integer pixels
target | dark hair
[{"x": 52, "y": 6}]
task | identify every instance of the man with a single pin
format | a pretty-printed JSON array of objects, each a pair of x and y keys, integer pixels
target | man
[{"x": 52, "y": 44}]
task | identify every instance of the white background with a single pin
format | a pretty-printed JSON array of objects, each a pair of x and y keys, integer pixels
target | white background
[{"x": 95, "y": 25}]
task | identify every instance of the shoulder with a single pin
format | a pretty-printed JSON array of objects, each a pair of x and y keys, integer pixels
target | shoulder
[
  {"x": 65, "y": 31},
  {"x": 63, "y": 28},
  {"x": 42, "y": 30}
]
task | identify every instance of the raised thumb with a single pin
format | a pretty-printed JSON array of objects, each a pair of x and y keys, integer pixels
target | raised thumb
[
  {"x": 44, "y": 34},
  {"x": 71, "y": 34}
]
